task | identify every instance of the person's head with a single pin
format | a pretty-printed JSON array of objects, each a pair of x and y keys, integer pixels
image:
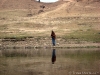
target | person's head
[{"x": 52, "y": 31}]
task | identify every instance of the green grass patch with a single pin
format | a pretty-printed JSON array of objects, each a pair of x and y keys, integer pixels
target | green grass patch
[
  {"x": 15, "y": 37},
  {"x": 88, "y": 35}
]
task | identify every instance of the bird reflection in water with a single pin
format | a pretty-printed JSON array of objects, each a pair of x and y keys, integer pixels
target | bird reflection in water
[{"x": 53, "y": 56}]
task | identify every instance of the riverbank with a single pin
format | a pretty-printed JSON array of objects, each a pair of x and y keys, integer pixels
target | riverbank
[{"x": 41, "y": 42}]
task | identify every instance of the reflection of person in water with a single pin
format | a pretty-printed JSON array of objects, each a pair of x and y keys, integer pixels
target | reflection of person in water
[
  {"x": 53, "y": 56},
  {"x": 53, "y": 36}
]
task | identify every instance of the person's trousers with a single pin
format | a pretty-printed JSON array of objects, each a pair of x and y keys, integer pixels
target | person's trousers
[{"x": 53, "y": 41}]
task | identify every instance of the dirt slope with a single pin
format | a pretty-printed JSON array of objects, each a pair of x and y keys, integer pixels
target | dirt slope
[
  {"x": 73, "y": 8},
  {"x": 63, "y": 6},
  {"x": 17, "y": 4},
  {"x": 23, "y": 4}
]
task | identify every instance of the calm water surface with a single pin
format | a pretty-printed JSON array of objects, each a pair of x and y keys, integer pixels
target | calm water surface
[{"x": 50, "y": 61}]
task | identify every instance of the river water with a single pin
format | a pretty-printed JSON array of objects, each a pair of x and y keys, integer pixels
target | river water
[{"x": 50, "y": 61}]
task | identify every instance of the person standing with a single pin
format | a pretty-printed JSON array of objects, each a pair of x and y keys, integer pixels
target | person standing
[{"x": 53, "y": 36}]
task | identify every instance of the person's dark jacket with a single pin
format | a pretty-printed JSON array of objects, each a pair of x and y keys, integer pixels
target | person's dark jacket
[{"x": 53, "y": 35}]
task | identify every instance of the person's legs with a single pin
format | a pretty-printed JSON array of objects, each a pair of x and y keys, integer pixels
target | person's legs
[{"x": 53, "y": 41}]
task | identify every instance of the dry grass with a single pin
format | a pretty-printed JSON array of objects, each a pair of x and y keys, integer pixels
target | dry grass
[{"x": 64, "y": 18}]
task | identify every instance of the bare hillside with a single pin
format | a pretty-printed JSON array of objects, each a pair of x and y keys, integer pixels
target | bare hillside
[
  {"x": 31, "y": 18},
  {"x": 24, "y": 4},
  {"x": 75, "y": 8},
  {"x": 64, "y": 7},
  {"x": 16, "y": 4}
]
